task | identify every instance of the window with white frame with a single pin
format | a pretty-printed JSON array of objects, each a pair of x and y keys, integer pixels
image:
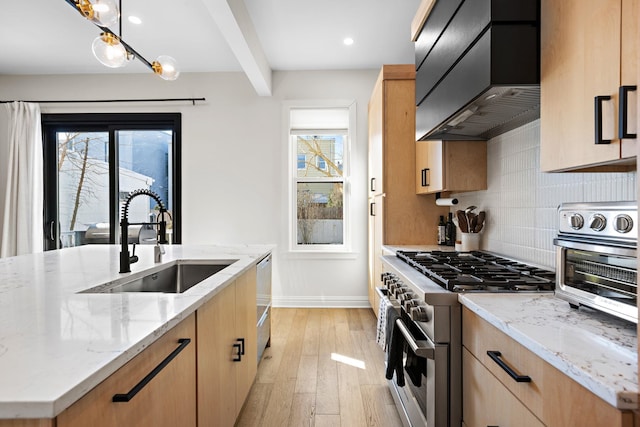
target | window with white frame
[{"x": 319, "y": 192}]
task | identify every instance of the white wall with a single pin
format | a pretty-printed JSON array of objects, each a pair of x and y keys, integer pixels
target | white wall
[
  {"x": 521, "y": 202},
  {"x": 234, "y": 172}
]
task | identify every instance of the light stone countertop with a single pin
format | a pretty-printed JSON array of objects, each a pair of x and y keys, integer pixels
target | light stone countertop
[
  {"x": 596, "y": 350},
  {"x": 57, "y": 344}
]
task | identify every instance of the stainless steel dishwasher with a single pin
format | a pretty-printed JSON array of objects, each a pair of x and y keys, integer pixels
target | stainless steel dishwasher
[{"x": 263, "y": 298}]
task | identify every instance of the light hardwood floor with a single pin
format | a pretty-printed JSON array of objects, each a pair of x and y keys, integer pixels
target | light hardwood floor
[{"x": 300, "y": 382}]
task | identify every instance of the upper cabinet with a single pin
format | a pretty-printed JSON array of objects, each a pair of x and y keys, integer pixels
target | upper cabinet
[
  {"x": 588, "y": 80},
  {"x": 451, "y": 166}
]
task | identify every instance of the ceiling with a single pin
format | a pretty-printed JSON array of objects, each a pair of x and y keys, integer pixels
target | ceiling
[{"x": 254, "y": 36}]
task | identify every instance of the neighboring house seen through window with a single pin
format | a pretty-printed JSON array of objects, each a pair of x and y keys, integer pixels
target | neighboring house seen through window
[{"x": 92, "y": 163}]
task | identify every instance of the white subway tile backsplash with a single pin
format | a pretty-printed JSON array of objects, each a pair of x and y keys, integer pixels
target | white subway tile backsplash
[{"x": 521, "y": 201}]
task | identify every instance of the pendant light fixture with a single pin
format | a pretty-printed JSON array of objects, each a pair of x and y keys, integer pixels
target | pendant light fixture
[
  {"x": 101, "y": 12},
  {"x": 110, "y": 49}
]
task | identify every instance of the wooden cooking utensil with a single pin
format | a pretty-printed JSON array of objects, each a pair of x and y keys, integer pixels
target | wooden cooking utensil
[
  {"x": 462, "y": 221},
  {"x": 479, "y": 222}
]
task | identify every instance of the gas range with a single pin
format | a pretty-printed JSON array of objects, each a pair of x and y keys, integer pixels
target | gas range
[{"x": 479, "y": 272}]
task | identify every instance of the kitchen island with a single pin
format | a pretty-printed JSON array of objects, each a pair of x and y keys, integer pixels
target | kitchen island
[{"x": 57, "y": 343}]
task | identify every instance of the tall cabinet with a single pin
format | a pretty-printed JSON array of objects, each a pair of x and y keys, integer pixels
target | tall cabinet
[{"x": 397, "y": 216}]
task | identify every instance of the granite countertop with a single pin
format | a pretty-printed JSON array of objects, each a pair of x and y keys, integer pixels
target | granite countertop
[
  {"x": 596, "y": 350},
  {"x": 57, "y": 344}
]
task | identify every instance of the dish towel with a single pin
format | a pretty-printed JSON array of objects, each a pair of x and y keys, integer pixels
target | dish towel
[
  {"x": 416, "y": 367},
  {"x": 381, "y": 336},
  {"x": 395, "y": 347}
]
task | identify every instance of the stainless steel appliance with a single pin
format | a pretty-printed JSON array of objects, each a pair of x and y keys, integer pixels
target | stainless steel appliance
[
  {"x": 596, "y": 256},
  {"x": 422, "y": 288},
  {"x": 263, "y": 299}
]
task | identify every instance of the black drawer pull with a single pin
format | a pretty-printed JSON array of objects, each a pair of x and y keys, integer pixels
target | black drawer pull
[
  {"x": 128, "y": 396},
  {"x": 241, "y": 346},
  {"x": 372, "y": 209},
  {"x": 238, "y": 356},
  {"x": 495, "y": 356},
  {"x": 372, "y": 186}
]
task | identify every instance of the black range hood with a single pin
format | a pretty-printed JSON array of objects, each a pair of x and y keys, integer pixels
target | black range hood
[{"x": 478, "y": 69}]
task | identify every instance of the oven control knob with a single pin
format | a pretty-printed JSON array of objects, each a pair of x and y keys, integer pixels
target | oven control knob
[
  {"x": 576, "y": 221},
  {"x": 598, "y": 222},
  {"x": 623, "y": 223}
]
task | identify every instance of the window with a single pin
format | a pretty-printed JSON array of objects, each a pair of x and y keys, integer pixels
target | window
[
  {"x": 321, "y": 163},
  {"x": 302, "y": 161},
  {"x": 319, "y": 196},
  {"x": 92, "y": 163}
]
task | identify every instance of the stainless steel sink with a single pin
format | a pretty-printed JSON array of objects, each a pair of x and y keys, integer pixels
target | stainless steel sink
[{"x": 176, "y": 278}]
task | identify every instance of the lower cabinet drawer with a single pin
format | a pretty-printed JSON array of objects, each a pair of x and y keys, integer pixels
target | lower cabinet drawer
[
  {"x": 486, "y": 402},
  {"x": 167, "y": 399},
  {"x": 554, "y": 398},
  {"x": 480, "y": 337}
]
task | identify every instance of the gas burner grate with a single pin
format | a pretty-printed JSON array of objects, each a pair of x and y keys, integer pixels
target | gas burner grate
[{"x": 478, "y": 272}]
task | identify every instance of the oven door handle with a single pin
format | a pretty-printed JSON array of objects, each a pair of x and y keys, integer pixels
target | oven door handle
[{"x": 422, "y": 348}]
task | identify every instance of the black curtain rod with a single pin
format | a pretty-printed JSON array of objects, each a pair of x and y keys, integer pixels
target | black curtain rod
[{"x": 80, "y": 101}]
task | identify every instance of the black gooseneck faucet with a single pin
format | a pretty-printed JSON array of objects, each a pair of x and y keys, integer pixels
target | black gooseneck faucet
[{"x": 125, "y": 259}]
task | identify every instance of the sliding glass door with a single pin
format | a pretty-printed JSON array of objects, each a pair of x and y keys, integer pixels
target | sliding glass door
[{"x": 93, "y": 161}]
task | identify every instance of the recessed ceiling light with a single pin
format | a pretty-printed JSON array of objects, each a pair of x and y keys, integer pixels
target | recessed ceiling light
[
  {"x": 348, "y": 41},
  {"x": 135, "y": 20}
]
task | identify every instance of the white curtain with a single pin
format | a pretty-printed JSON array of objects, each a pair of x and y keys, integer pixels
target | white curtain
[{"x": 22, "y": 216}]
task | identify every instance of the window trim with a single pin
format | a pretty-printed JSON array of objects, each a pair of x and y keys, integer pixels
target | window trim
[
  {"x": 111, "y": 122},
  {"x": 323, "y": 250}
]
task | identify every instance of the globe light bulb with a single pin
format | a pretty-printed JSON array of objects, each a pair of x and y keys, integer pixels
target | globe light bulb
[
  {"x": 166, "y": 67},
  {"x": 109, "y": 51},
  {"x": 103, "y": 12}
]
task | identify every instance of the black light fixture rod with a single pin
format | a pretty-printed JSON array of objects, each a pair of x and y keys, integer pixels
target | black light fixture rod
[{"x": 81, "y": 101}]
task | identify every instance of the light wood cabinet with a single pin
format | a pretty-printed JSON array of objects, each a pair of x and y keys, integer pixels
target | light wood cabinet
[
  {"x": 450, "y": 166},
  {"x": 246, "y": 321},
  {"x": 404, "y": 218},
  {"x": 589, "y": 49},
  {"x": 487, "y": 402},
  {"x": 554, "y": 398},
  {"x": 168, "y": 399},
  {"x": 226, "y": 329}
]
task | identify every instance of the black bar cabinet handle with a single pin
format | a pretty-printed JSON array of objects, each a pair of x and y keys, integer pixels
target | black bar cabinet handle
[
  {"x": 238, "y": 356},
  {"x": 598, "y": 119},
  {"x": 424, "y": 177},
  {"x": 623, "y": 99},
  {"x": 495, "y": 356},
  {"x": 373, "y": 184},
  {"x": 241, "y": 346},
  {"x": 372, "y": 209},
  {"x": 128, "y": 396}
]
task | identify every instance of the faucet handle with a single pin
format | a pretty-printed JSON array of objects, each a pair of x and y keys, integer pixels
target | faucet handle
[{"x": 133, "y": 258}]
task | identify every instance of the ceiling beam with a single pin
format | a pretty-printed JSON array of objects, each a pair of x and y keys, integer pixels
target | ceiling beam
[{"x": 234, "y": 22}]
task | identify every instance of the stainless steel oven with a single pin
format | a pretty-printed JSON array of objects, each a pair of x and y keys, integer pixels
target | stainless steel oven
[
  {"x": 422, "y": 293},
  {"x": 596, "y": 262},
  {"x": 424, "y": 376}
]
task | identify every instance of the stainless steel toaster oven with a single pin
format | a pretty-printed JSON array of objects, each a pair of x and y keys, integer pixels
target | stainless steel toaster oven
[{"x": 596, "y": 263}]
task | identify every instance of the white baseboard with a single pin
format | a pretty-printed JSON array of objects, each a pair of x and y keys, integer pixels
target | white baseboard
[{"x": 320, "y": 302}]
